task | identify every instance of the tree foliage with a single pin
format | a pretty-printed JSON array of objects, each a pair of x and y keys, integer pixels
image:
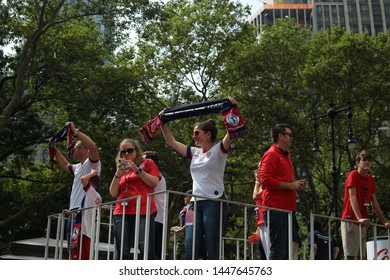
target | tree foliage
[{"x": 65, "y": 67}]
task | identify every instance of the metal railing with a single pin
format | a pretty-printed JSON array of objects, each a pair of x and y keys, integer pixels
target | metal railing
[
  {"x": 169, "y": 242},
  {"x": 339, "y": 220}
]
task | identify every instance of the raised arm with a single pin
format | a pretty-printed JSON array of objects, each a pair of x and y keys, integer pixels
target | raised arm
[
  {"x": 120, "y": 170},
  {"x": 171, "y": 141},
  {"x": 62, "y": 161},
  {"x": 87, "y": 142},
  {"x": 257, "y": 190},
  {"x": 86, "y": 177},
  {"x": 226, "y": 141}
]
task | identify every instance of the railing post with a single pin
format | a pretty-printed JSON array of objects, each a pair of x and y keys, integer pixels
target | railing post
[
  {"x": 109, "y": 234},
  {"x": 48, "y": 227},
  {"x": 174, "y": 245},
  {"x": 330, "y": 252},
  {"x": 93, "y": 246},
  {"x": 268, "y": 232},
  {"x": 290, "y": 243},
  {"x": 375, "y": 243},
  {"x": 220, "y": 228},
  {"x": 311, "y": 236},
  {"x": 165, "y": 226},
  {"x": 147, "y": 227},
  {"x": 59, "y": 220},
  {"x": 360, "y": 242},
  {"x": 246, "y": 229},
  {"x": 137, "y": 222},
  {"x": 124, "y": 203},
  {"x": 194, "y": 229}
]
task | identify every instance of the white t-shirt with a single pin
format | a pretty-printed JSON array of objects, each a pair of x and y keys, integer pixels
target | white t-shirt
[
  {"x": 79, "y": 170},
  {"x": 160, "y": 199},
  {"x": 92, "y": 197},
  {"x": 207, "y": 171}
]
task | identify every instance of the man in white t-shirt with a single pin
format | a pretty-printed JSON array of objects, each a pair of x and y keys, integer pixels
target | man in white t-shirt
[{"x": 86, "y": 154}]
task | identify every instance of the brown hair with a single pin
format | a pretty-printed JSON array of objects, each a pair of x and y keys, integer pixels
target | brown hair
[
  {"x": 209, "y": 126},
  {"x": 363, "y": 155},
  {"x": 139, "y": 158},
  {"x": 95, "y": 181}
]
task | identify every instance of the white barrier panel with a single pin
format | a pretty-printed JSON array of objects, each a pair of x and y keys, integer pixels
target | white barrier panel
[{"x": 382, "y": 248}]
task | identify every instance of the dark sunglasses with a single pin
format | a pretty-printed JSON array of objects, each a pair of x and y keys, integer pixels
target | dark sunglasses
[{"x": 128, "y": 151}]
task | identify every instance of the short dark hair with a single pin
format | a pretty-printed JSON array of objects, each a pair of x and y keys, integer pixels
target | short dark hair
[
  {"x": 277, "y": 129},
  {"x": 363, "y": 155},
  {"x": 153, "y": 155},
  {"x": 95, "y": 181}
]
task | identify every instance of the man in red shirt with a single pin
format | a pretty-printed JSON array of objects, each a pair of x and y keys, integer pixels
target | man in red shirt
[
  {"x": 279, "y": 191},
  {"x": 359, "y": 200}
]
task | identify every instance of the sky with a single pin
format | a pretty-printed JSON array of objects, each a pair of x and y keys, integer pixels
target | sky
[{"x": 255, "y": 4}]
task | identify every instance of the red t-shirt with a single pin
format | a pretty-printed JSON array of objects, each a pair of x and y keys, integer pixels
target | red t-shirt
[
  {"x": 365, "y": 186},
  {"x": 277, "y": 167},
  {"x": 131, "y": 184}
]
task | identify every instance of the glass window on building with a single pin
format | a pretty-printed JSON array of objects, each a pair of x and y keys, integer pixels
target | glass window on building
[
  {"x": 320, "y": 23},
  {"x": 352, "y": 7},
  {"x": 342, "y": 16},
  {"x": 365, "y": 19},
  {"x": 327, "y": 17},
  {"x": 364, "y": 8}
]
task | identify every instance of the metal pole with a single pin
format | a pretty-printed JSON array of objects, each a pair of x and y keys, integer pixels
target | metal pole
[
  {"x": 47, "y": 238},
  {"x": 311, "y": 236},
  {"x": 147, "y": 227},
  {"x": 332, "y": 113},
  {"x": 165, "y": 227}
]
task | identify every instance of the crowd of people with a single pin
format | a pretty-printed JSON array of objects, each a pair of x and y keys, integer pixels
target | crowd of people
[{"x": 204, "y": 214}]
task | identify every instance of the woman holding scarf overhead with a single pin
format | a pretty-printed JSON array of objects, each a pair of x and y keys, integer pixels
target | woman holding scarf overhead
[{"x": 208, "y": 162}]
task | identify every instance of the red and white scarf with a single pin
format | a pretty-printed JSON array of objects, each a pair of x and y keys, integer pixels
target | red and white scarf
[{"x": 229, "y": 111}]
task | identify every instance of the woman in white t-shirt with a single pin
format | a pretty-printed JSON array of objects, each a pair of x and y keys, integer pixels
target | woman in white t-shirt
[{"x": 208, "y": 162}]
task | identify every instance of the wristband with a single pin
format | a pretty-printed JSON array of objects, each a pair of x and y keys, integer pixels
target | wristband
[
  {"x": 86, "y": 188},
  {"x": 138, "y": 171}
]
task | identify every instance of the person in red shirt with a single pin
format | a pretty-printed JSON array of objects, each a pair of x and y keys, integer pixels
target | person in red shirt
[
  {"x": 260, "y": 235},
  {"x": 277, "y": 177},
  {"x": 134, "y": 176},
  {"x": 359, "y": 200}
]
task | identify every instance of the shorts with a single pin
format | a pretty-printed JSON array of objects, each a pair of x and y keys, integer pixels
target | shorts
[{"x": 351, "y": 241}]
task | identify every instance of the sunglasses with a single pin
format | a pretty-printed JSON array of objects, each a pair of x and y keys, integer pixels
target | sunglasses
[
  {"x": 128, "y": 151},
  {"x": 196, "y": 133},
  {"x": 75, "y": 148}
]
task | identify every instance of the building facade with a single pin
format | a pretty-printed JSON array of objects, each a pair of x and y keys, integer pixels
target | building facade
[{"x": 356, "y": 16}]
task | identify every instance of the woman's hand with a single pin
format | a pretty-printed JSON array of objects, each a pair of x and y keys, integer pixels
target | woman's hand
[
  {"x": 231, "y": 99},
  {"x": 122, "y": 167}
]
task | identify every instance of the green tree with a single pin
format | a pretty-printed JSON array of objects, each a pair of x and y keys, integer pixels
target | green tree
[{"x": 58, "y": 70}]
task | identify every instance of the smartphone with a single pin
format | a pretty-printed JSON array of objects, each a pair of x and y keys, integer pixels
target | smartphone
[{"x": 122, "y": 161}]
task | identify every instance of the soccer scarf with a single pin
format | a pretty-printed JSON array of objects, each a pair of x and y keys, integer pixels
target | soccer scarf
[
  {"x": 229, "y": 111},
  {"x": 65, "y": 133}
]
